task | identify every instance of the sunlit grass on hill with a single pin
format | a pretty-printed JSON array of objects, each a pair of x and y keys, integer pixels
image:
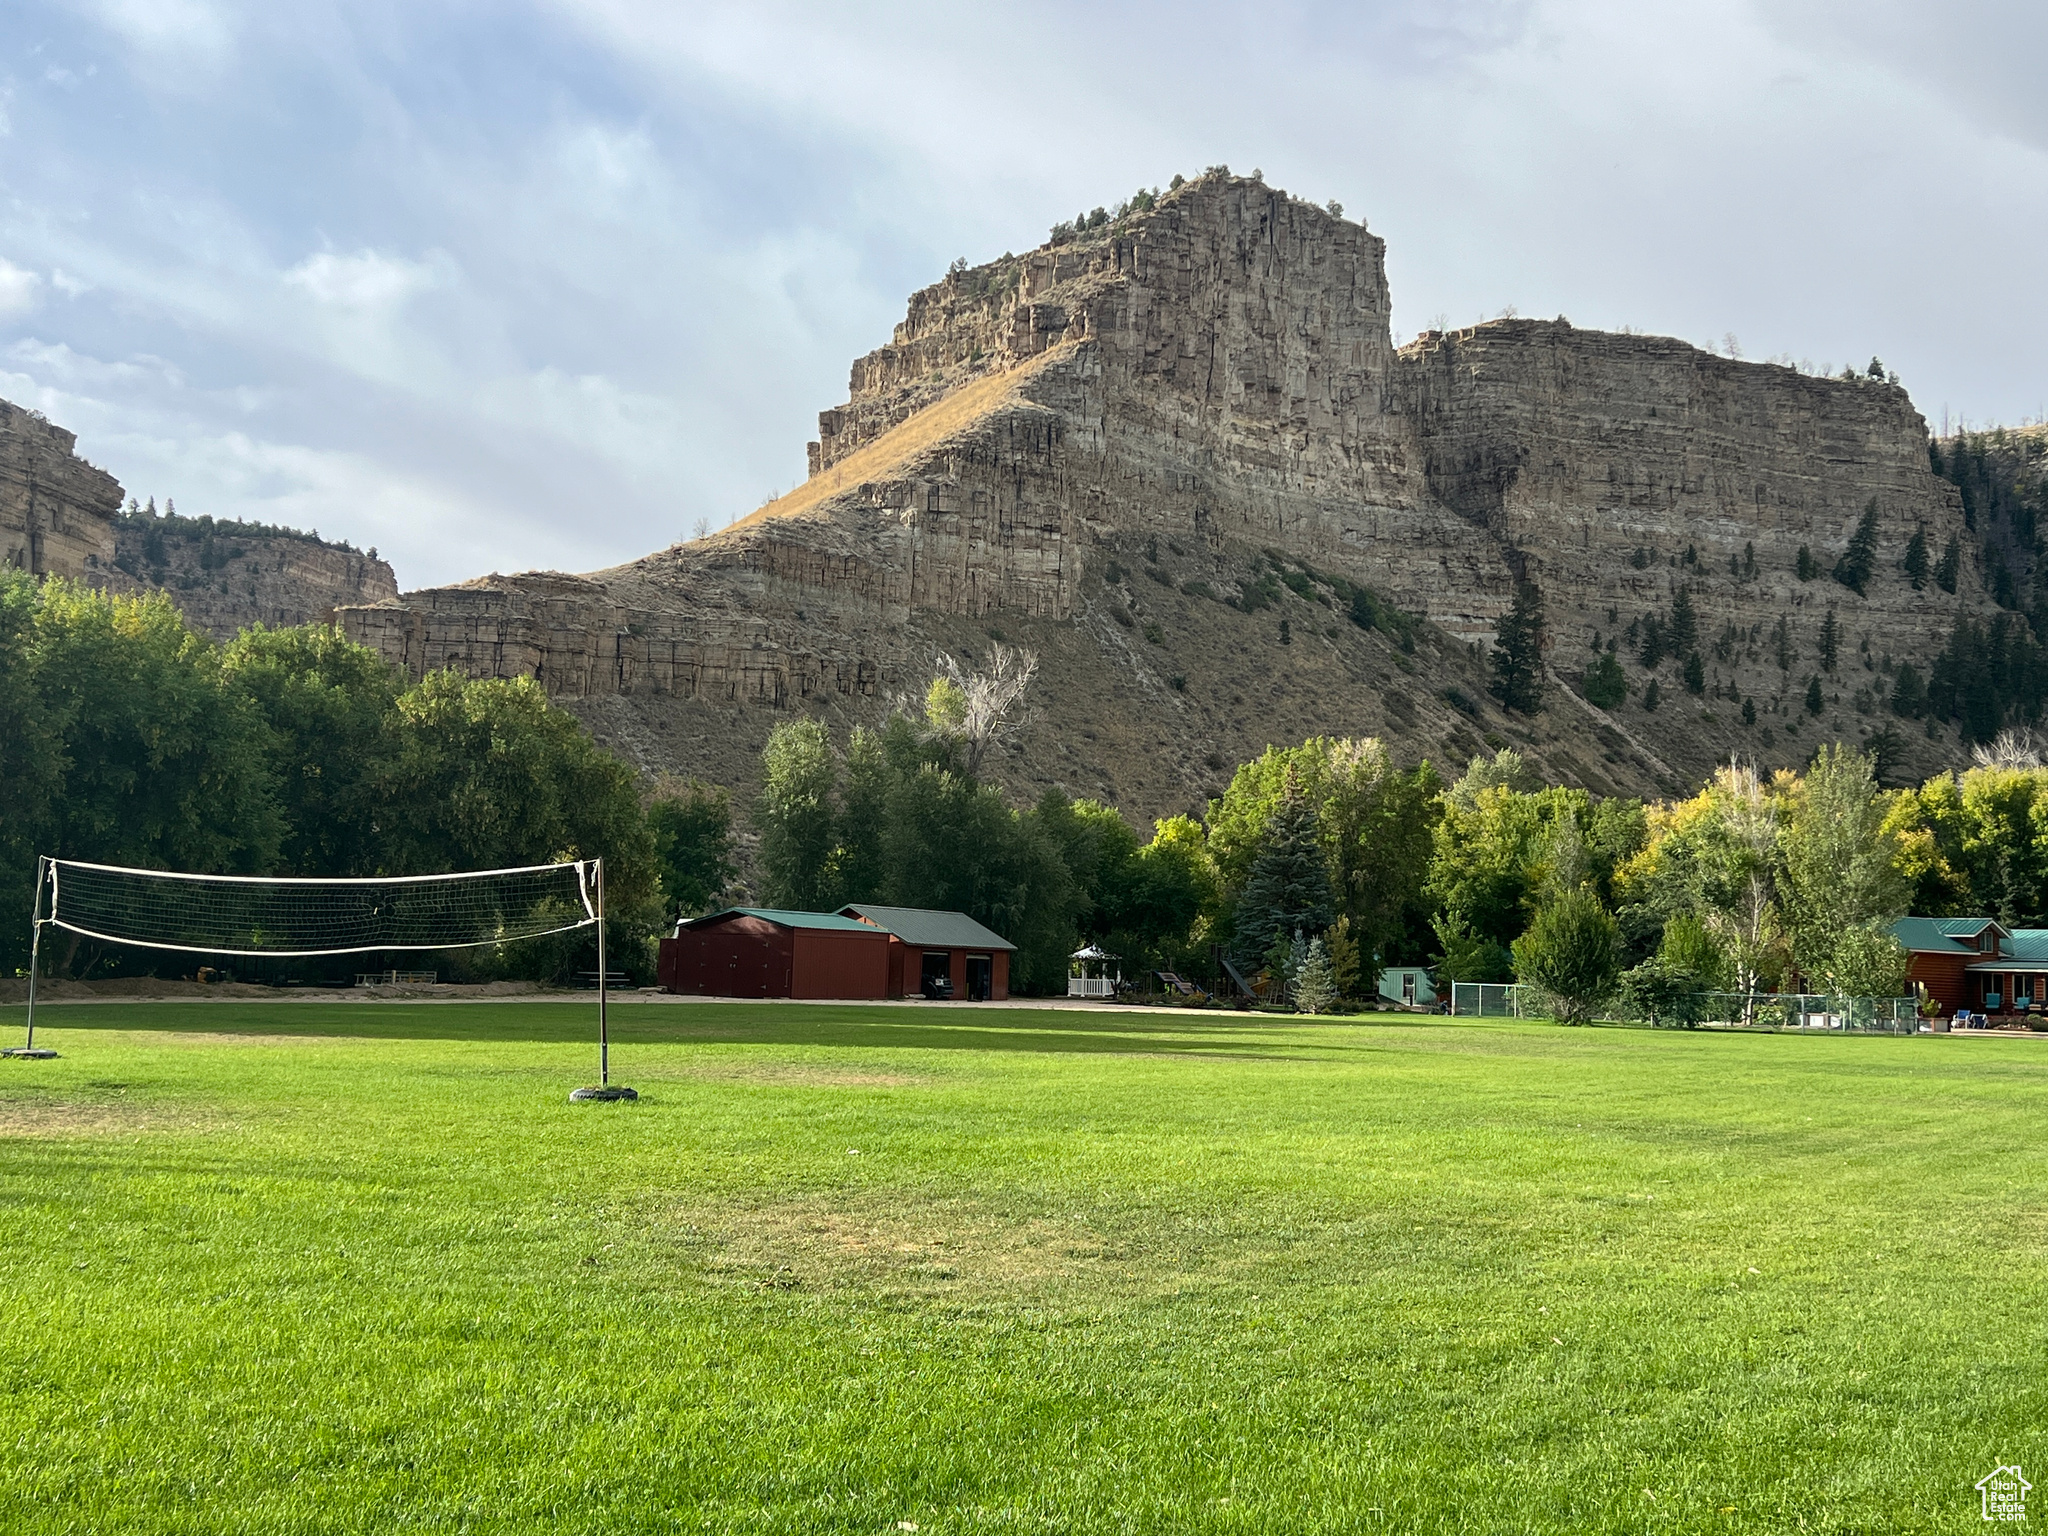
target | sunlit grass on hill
[
  {"x": 891, "y": 453},
  {"x": 364, "y": 1268}
]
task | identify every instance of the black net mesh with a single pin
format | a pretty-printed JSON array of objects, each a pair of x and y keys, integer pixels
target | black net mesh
[{"x": 227, "y": 915}]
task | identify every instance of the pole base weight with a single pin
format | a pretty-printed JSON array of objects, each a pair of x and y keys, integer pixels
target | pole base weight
[
  {"x": 602, "y": 1095},
  {"x": 25, "y": 1053}
]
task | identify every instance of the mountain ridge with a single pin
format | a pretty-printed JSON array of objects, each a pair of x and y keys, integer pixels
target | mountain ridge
[{"x": 1162, "y": 452}]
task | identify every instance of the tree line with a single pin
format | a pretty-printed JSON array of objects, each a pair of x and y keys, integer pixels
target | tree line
[
  {"x": 127, "y": 738},
  {"x": 1323, "y": 864}
]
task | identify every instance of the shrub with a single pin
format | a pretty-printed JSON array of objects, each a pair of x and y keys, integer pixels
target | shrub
[
  {"x": 1572, "y": 952},
  {"x": 1661, "y": 995}
]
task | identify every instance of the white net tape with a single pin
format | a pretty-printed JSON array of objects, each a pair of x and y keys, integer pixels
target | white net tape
[{"x": 242, "y": 915}]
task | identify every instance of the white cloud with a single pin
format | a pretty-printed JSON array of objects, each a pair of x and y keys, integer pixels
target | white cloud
[
  {"x": 583, "y": 271},
  {"x": 174, "y": 33},
  {"x": 369, "y": 280},
  {"x": 18, "y": 288}
]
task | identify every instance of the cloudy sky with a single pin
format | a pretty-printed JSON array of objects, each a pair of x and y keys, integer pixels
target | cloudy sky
[{"x": 508, "y": 283}]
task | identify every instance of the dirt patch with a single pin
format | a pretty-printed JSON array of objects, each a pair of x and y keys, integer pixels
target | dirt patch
[
  {"x": 822, "y": 1243},
  {"x": 49, "y": 1119}
]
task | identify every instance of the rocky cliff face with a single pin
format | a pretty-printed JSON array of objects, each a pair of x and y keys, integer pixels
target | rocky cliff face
[
  {"x": 1165, "y": 453},
  {"x": 56, "y": 510},
  {"x": 60, "y": 516},
  {"x": 226, "y": 576}
]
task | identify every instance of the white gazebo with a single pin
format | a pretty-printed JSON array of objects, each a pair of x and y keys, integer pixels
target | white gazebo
[{"x": 1088, "y": 975}]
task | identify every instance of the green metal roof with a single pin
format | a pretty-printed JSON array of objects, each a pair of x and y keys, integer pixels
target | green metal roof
[
  {"x": 1942, "y": 935},
  {"x": 786, "y": 919},
  {"x": 2025, "y": 949},
  {"x": 928, "y": 929}
]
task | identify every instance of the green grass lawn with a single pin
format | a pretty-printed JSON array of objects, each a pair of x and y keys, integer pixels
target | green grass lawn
[{"x": 309, "y": 1267}]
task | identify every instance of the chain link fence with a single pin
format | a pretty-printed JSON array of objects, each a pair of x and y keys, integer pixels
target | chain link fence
[
  {"x": 1492, "y": 1000},
  {"x": 1806, "y": 1011}
]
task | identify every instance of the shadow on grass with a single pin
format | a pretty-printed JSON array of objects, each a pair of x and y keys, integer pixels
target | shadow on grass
[{"x": 914, "y": 1028}]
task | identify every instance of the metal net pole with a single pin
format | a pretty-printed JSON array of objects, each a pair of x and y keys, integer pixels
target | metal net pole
[
  {"x": 604, "y": 1040},
  {"x": 604, "y": 1091},
  {"x": 35, "y": 949}
]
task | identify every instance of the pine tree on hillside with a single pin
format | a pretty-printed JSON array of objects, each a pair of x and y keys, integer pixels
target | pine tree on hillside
[
  {"x": 1654, "y": 642},
  {"x": 1950, "y": 564},
  {"x": 1830, "y": 641},
  {"x": 1605, "y": 684},
  {"x": 1684, "y": 632},
  {"x": 1916, "y": 564},
  {"x": 1518, "y": 652},
  {"x": 1859, "y": 560},
  {"x": 1289, "y": 883}
]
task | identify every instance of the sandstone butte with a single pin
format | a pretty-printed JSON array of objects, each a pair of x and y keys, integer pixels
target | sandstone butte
[
  {"x": 1161, "y": 453},
  {"x": 1153, "y": 452}
]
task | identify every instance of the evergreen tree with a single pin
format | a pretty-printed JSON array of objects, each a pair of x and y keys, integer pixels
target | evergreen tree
[
  {"x": 1518, "y": 646},
  {"x": 1315, "y": 980},
  {"x": 1909, "y": 693},
  {"x": 1683, "y": 633},
  {"x": 1605, "y": 685},
  {"x": 1749, "y": 711},
  {"x": 1814, "y": 703},
  {"x": 1916, "y": 562},
  {"x": 1748, "y": 558},
  {"x": 1345, "y": 958},
  {"x": 1830, "y": 641},
  {"x": 1806, "y": 566},
  {"x": 1949, "y": 565},
  {"x": 1859, "y": 560},
  {"x": 1652, "y": 696},
  {"x": 1289, "y": 884},
  {"x": 1695, "y": 674},
  {"x": 1781, "y": 644},
  {"x": 1655, "y": 642}
]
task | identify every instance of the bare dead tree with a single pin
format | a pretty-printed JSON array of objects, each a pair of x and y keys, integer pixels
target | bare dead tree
[
  {"x": 2009, "y": 749},
  {"x": 980, "y": 707}
]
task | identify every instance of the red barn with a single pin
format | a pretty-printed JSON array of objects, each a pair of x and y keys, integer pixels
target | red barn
[
  {"x": 759, "y": 952},
  {"x": 939, "y": 954}
]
